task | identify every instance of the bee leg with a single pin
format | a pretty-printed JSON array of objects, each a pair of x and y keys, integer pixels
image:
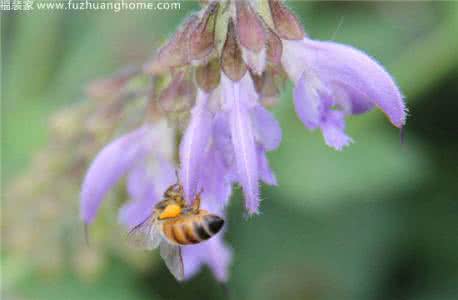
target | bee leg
[{"x": 196, "y": 202}]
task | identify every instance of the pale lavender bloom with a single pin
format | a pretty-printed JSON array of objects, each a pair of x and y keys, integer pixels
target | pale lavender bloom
[
  {"x": 229, "y": 133},
  {"x": 144, "y": 156},
  {"x": 112, "y": 163},
  {"x": 237, "y": 64},
  {"x": 332, "y": 81},
  {"x": 194, "y": 145},
  {"x": 145, "y": 187}
]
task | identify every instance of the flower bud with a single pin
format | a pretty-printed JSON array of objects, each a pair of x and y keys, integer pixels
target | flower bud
[
  {"x": 274, "y": 47},
  {"x": 109, "y": 87},
  {"x": 231, "y": 58},
  {"x": 177, "y": 95},
  {"x": 265, "y": 84},
  {"x": 208, "y": 75},
  {"x": 202, "y": 38},
  {"x": 286, "y": 23},
  {"x": 175, "y": 52},
  {"x": 250, "y": 30}
]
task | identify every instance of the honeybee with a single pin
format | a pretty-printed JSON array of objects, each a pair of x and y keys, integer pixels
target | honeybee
[{"x": 173, "y": 224}]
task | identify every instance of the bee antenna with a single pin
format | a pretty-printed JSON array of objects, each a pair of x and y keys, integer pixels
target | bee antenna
[{"x": 177, "y": 176}]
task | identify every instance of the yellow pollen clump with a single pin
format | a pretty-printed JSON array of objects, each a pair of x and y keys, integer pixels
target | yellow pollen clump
[{"x": 171, "y": 211}]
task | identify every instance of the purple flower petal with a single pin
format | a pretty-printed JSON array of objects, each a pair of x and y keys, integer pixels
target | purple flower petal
[
  {"x": 245, "y": 84},
  {"x": 165, "y": 176},
  {"x": 141, "y": 189},
  {"x": 194, "y": 144},
  {"x": 243, "y": 143},
  {"x": 267, "y": 129},
  {"x": 350, "y": 68},
  {"x": 145, "y": 187},
  {"x": 333, "y": 130},
  {"x": 350, "y": 100},
  {"x": 221, "y": 136},
  {"x": 214, "y": 181},
  {"x": 222, "y": 140},
  {"x": 265, "y": 173},
  {"x": 307, "y": 102},
  {"x": 108, "y": 167},
  {"x": 213, "y": 253},
  {"x": 139, "y": 182}
]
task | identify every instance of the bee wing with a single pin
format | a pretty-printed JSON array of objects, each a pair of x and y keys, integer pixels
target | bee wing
[
  {"x": 145, "y": 235},
  {"x": 171, "y": 254}
]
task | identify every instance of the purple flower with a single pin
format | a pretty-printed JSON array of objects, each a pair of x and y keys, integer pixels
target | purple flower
[
  {"x": 139, "y": 155},
  {"x": 228, "y": 136},
  {"x": 144, "y": 156},
  {"x": 238, "y": 53},
  {"x": 333, "y": 81},
  {"x": 236, "y": 66}
]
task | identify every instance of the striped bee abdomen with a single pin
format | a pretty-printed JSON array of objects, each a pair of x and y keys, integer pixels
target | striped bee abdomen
[
  {"x": 214, "y": 223},
  {"x": 192, "y": 229}
]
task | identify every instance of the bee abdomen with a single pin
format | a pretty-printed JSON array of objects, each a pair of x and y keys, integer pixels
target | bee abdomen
[
  {"x": 214, "y": 223},
  {"x": 209, "y": 226},
  {"x": 180, "y": 233},
  {"x": 194, "y": 232}
]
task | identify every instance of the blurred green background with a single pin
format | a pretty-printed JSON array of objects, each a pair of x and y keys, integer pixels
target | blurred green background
[{"x": 376, "y": 221}]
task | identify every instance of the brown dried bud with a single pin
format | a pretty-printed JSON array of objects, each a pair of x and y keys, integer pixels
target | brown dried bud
[
  {"x": 265, "y": 84},
  {"x": 177, "y": 94},
  {"x": 202, "y": 39},
  {"x": 231, "y": 57},
  {"x": 250, "y": 29},
  {"x": 175, "y": 52},
  {"x": 208, "y": 75},
  {"x": 286, "y": 23},
  {"x": 176, "y": 101},
  {"x": 274, "y": 47},
  {"x": 110, "y": 86}
]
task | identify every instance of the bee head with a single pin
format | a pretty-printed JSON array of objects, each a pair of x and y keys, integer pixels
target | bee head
[{"x": 174, "y": 191}]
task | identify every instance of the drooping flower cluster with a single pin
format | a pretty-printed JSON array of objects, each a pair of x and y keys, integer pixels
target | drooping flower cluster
[
  {"x": 238, "y": 52},
  {"x": 225, "y": 64}
]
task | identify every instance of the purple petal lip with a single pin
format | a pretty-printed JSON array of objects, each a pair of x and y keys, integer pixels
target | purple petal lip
[
  {"x": 334, "y": 80},
  {"x": 307, "y": 103},
  {"x": 214, "y": 253},
  {"x": 266, "y": 127},
  {"x": 265, "y": 173},
  {"x": 193, "y": 146},
  {"x": 333, "y": 129},
  {"x": 243, "y": 142},
  {"x": 363, "y": 79},
  {"x": 145, "y": 189},
  {"x": 108, "y": 167}
]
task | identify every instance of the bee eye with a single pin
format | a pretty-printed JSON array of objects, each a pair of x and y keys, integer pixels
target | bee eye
[{"x": 160, "y": 205}]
